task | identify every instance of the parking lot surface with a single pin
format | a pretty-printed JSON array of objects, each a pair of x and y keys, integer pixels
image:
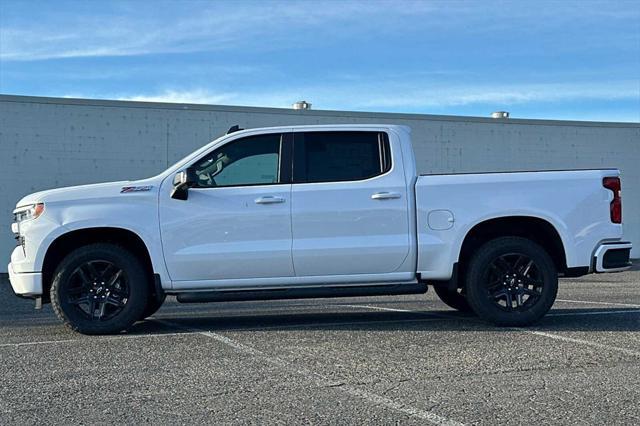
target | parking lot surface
[{"x": 382, "y": 360}]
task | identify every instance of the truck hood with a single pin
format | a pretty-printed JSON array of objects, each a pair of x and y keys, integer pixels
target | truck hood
[{"x": 99, "y": 190}]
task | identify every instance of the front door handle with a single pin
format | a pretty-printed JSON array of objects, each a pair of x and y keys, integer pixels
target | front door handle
[
  {"x": 269, "y": 199},
  {"x": 386, "y": 195}
]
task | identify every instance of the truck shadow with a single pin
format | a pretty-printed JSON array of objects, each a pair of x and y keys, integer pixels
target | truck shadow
[
  {"x": 295, "y": 316},
  {"x": 622, "y": 320},
  {"x": 427, "y": 321}
]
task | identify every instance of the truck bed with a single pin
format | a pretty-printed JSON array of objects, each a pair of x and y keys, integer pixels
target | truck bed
[{"x": 448, "y": 206}]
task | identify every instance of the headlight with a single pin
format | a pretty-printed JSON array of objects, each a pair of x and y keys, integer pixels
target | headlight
[{"x": 31, "y": 211}]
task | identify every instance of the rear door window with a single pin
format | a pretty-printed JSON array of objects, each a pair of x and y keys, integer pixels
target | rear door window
[{"x": 340, "y": 156}]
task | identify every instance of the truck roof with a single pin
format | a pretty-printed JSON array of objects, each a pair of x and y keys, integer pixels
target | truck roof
[{"x": 351, "y": 126}]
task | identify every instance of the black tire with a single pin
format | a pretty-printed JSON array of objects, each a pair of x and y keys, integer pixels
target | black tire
[
  {"x": 507, "y": 271},
  {"x": 153, "y": 304},
  {"x": 454, "y": 299},
  {"x": 99, "y": 277}
]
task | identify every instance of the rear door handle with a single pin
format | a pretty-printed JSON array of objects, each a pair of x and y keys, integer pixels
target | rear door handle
[
  {"x": 269, "y": 199},
  {"x": 386, "y": 195}
]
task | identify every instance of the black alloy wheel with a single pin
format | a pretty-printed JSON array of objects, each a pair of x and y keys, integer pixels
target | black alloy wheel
[
  {"x": 98, "y": 289},
  {"x": 511, "y": 281},
  {"x": 514, "y": 281}
]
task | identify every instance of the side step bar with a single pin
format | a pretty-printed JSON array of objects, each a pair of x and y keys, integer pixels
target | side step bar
[{"x": 301, "y": 293}]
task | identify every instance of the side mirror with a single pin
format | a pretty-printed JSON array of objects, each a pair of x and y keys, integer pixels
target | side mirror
[{"x": 182, "y": 181}]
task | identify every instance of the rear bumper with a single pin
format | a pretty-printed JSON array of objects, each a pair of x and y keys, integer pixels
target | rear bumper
[
  {"x": 612, "y": 257},
  {"x": 28, "y": 284}
]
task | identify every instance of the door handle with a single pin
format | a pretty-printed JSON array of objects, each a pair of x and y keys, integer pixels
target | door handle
[
  {"x": 386, "y": 195},
  {"x": 269, "y": 199}
]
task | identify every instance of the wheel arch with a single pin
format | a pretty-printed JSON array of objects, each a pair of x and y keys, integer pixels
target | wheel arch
[
  {"x": 69, "y": 241},
  {"x": 536, "y": 229}
]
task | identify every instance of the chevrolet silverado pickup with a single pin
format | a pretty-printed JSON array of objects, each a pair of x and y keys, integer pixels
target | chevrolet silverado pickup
[{"x": 314, "y": 211}]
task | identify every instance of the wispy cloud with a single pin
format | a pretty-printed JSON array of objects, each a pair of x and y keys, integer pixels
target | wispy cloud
[
  {"x": 209, "y": 27},
  {"x": 406, "y": 96},
  {"x": 422, "y": 56},
  {"x": 511, "y": 94},
  {"x": 158, "y": 27},
  {"x": 197, "y": 96}
]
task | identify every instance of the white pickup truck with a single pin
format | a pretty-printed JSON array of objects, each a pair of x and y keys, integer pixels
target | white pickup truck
[{"x": 314, "y": 211}]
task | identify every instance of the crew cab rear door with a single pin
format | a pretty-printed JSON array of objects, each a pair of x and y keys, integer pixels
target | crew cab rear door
[{"x": 349, "y": 204}]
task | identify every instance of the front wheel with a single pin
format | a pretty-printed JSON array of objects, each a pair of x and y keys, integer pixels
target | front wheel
[
  {"x": 511, "y": 281},
  {"x": 99, "y": 289}
]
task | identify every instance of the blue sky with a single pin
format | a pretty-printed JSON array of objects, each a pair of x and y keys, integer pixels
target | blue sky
[{"x": 537, "y": 59}]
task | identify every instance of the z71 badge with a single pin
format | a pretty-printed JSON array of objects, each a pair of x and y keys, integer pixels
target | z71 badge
[{"x": 136, "y": 189}]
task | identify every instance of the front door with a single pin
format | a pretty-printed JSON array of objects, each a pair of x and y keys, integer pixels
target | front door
[
  {"x": 349, "y": 205},
  {"x": 236, "y": 222}
]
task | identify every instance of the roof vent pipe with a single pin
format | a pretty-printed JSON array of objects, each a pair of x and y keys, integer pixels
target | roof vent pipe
[
  {"x": 500, "y": 114},
  {"x": 302, "y": 105}
]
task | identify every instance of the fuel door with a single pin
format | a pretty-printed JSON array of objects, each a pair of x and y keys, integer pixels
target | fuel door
[{"x": 440, "y": 220}]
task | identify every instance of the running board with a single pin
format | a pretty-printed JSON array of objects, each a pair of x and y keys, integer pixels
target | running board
[{"x": 301, "y": 293}]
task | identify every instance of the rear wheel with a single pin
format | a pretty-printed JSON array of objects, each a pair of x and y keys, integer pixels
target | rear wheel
[
  {"x": 99, "y": 289},
  {"x": 453, "y": 298},
  {"x": 511, "y": 281}
]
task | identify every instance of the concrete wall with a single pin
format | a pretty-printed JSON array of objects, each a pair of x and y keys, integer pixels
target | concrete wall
[{"x": 50, "y": 142}]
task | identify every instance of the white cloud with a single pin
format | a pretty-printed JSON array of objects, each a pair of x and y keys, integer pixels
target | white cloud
[
  {"x": 370, "y": 96},
  {"x": 209, "y": 27},
  {"x": 452, "y": 95},
  {"x": 198, "y": 96},
  {"x": 179, "y": 27}
]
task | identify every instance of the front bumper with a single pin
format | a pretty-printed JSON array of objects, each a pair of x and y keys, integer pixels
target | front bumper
[
  {"x": 612, "y": 257},
  {"x": 27, "y": 284}
]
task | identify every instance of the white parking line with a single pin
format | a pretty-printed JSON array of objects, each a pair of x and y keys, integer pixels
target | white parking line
[
  {"x": 577, "y": 314},
  {"x": 538, "y": 333},
  {"x": 321, "y": 380},
  {"x": 379, "y": 308},
  {"x": 552, "y": 314},
  {"x": 438, "y": 316},
  {"x": 100, "y": 339},
  {"x": 580, "y": 341},
  {"x": 589, "y": 302}
]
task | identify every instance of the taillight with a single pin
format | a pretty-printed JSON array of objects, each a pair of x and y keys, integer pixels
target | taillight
[{"x": 613, "y": 184}]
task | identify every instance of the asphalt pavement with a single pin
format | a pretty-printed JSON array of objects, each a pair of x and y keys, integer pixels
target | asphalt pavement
[{"x": 382, "y": 360}]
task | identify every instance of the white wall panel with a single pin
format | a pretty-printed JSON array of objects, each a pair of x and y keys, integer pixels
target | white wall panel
[{"x": 50, "y": 142}]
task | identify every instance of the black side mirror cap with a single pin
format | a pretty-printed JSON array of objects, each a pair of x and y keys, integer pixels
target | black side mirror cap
[{"x": 182, "y": 181}]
